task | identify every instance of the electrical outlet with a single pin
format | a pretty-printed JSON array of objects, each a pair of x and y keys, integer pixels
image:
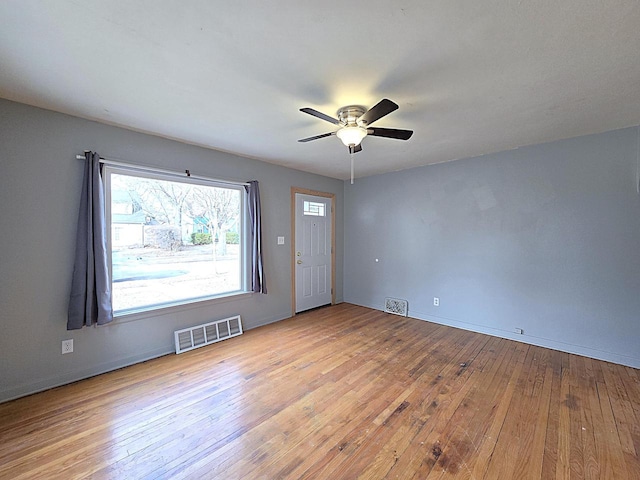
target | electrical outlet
[
  {"x": 520, "y": 331},
  {"x": 436, "y": 301},
  {"x": 67, "y": 346}
]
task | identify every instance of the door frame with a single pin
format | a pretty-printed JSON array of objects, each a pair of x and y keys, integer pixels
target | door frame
[{"x": 332, "y": 196}]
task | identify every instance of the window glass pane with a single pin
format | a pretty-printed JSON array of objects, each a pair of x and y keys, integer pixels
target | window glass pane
[
  {"x": 316, "y": 209},
  {"x": 172, "y": 241}
]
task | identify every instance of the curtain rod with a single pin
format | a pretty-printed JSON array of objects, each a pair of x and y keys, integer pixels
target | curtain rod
[{"x": 187, "y": 173}]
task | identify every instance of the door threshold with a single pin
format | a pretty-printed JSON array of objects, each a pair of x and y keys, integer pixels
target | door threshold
[{"x": 313, "y": 309}]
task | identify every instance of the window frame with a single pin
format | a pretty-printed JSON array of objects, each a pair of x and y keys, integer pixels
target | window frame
[{"x": 157, "y": 174}]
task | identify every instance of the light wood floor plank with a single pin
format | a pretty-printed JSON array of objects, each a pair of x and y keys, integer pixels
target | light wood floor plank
[{"x": 339, "y": 392}]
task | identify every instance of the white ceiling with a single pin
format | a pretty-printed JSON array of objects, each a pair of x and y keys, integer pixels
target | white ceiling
[{"x": 471, "y": 77}]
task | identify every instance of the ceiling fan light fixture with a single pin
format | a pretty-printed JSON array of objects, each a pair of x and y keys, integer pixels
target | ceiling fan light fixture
[{"x": 351, "y": 135}]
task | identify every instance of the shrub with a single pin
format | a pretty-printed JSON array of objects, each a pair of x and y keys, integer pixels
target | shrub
[
  {"x": 233, "y": 238},
  {"x": 165, "y": 237},
  {"x": 201, "y": 238}
]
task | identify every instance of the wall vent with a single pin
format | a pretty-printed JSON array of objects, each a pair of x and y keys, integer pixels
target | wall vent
[
  {"x": 201, "y": 335},
  {"x": 396, "y": 306}
]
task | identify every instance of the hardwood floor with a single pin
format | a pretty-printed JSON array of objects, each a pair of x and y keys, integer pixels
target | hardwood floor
[{"x": 341, "y": 392}]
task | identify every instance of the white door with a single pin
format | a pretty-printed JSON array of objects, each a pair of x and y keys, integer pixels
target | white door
[{"x": 312, "y": 251}]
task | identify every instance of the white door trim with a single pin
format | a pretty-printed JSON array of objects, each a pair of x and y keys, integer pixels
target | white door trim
[{"x": 332, "y": 196}]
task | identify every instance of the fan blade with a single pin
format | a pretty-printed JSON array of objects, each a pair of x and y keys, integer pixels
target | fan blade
[
  {"x": 308, "y": 139},
  {"x": 321, "y": 115},
  {"x": 379, "y": 110},
  {"x": 355, "y": 149},
  {"x": 390, "y": 133}
]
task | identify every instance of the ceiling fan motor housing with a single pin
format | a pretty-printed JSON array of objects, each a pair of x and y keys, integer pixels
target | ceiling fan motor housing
[{"x": 349, "y": 115}]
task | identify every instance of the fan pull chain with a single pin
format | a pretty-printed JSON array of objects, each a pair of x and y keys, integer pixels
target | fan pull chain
[{"x": 351, "y": 155}]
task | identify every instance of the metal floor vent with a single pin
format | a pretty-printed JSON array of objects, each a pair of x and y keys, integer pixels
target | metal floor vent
[
  {"x": 201, "y": 335},
  {"x": 396, "y": 306}
]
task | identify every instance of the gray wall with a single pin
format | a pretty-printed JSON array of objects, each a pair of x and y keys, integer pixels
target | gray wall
[
  {"x": 544, "y": 238},
  {"x": 39, "y": 194}
]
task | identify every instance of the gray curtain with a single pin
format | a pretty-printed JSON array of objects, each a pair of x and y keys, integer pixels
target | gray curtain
[
  {"x": 258, "y": 284},
  {"x": 90, "y": 300}
]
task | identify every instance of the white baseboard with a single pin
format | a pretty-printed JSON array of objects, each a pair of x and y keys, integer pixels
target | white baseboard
[
  {"x": 76, "y": 375},
  {"x": 581, "y": 350}
]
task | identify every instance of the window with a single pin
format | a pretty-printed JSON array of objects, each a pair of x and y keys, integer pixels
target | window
[
  {"x": 313, "y": 208},
  {"x": 173, "y": 239}
]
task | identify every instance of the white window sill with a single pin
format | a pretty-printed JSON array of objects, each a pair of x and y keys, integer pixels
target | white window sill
[{"x": 166, "y": 309}]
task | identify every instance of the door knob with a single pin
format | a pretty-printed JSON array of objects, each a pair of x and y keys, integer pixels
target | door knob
[{"x": 299, "y": 262}]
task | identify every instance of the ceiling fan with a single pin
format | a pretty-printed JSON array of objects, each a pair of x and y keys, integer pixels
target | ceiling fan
[{"x": 354, "y": 122}]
